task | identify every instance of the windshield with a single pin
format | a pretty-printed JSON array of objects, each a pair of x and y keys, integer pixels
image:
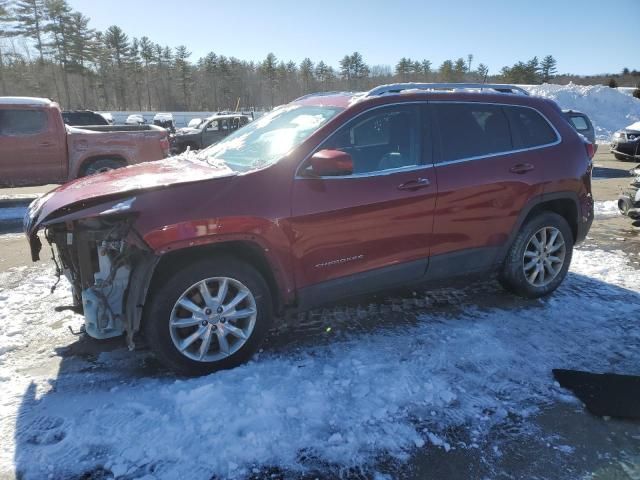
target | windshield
[{"x": 265, "y": 140}]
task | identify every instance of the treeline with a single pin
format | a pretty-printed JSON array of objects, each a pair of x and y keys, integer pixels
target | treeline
[{"x": 49, "y": 50}]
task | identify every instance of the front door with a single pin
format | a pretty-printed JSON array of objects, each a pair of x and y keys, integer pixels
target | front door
[
  {"x": 375, "y": 223},
  {"x": 212, "y": 132}
]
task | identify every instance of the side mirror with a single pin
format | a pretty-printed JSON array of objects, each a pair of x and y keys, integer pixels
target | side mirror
[{"x": 331, "y": 163}]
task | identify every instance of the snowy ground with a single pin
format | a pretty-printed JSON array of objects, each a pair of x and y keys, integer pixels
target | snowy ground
[
  {"x": 608, "y": 108},
  {"x": 357, "y": 387}
]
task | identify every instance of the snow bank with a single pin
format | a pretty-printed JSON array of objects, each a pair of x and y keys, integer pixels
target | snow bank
[
  {"x": 405, "y": 385},
  {"x": 605, "y": 209},
  {"x": 608, "y": 109}
]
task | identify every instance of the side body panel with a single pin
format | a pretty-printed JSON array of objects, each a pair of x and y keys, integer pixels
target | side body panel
[{"x": 132, "y": 147}]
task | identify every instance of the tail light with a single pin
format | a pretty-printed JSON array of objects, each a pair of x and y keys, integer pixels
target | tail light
[
  {"x": 164, "y": 144},
  {"x": 591, "y": 149}
]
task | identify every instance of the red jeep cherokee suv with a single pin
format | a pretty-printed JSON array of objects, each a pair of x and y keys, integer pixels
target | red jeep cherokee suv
[{"x": 332, "y": 195}]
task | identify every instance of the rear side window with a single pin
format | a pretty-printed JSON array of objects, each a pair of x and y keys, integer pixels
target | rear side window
[
  {"x": 472, "y": 130},
  {"x": 529, "y": 128},
  {"x": 579, "y": 123},
  {"x": 22, "y": 122}
]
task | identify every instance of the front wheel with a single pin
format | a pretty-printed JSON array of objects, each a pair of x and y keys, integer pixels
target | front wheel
[
  {"x": 540, "y": 256},
  {"x": 210, "y": 315}
]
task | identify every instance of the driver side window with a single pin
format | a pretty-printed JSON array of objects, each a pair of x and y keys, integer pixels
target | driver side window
[
  {"x": 213, "y": 126},
  {"x": 381, "y": 139}
]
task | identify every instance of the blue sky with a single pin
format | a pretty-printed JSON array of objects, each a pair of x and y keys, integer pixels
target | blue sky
[{"x": 585, "y": 36}]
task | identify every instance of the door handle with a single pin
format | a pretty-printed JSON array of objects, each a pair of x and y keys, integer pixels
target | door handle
[
  {"x": 521, "y": 168},
  {"x": 414, "y": 184},
  {"x": 46, "y": 144}
]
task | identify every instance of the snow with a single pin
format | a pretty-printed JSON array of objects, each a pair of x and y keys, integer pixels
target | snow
[
  {"x": 343, "y": 401},
  {"x": 608, "y": 108},
  {"x": 607, "y": 208}
]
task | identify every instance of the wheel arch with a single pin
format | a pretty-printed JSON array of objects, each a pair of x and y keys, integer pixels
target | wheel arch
[
  {"x": 94, "y": 158},
  {"x": 565, "y": 204},
  {"x": 243, "y": 250}
]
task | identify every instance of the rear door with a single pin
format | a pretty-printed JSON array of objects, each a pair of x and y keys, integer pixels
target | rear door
[
  {"x": 31, "y": 150},
  {"x": 486, "y": 175},
  {"x": 376, "y": 222}
]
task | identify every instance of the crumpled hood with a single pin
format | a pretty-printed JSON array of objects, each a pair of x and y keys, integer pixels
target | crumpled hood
[{"x": 123, "y": 182}]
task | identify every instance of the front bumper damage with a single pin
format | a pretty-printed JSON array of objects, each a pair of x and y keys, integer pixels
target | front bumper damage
[{"x": 109, "y": 268}]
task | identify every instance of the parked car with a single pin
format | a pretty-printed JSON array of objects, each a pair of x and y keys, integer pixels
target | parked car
[
  {"x": 77, "y": 118},
  {"x": 108, "y": 117},
  {"x": 330, "y": 196},
  {"x": 208, "y": 132},
  {"x": 581, "y": 122},
  {"x": 629, "y": 199},
  {"x": 625, "y": 144},
  {"x": 37, "y": 148},
  {"x": 164, "y": 120},
  {"x": 135, "y": 119}
]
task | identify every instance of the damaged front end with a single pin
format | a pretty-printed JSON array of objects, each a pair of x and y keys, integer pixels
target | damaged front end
[{"x": 108, "y": 266}]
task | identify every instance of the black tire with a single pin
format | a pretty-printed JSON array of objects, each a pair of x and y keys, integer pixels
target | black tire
[
  {"x": 101, "y": 165},
  {"x": 163, "y": 298},
  {"x": 512, "y": 277},
  {"x": 624, "y": 158}
]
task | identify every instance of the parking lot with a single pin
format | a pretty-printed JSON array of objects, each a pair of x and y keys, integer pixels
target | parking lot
[{"x": 462, "y": 381}]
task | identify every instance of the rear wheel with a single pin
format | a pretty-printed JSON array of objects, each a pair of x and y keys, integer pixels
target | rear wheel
[
  {"x": 540, "y": 256},
  {"x": 101, "y": 165},
  {"x": 210, "y": 315}
]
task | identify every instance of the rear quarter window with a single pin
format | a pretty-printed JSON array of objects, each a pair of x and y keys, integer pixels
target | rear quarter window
[
  {"x": 579, "y": 123},
  {"x": 470, "y": 130},
  {"x": 529, "y": 128},
  {"x": 22, "y": 122}
]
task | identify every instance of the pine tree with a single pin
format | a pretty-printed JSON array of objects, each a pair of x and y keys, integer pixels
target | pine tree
[
  {"x": 346, "y": 70},
  {"x": 446, "y": 71},
  {"x": 548, "y": 68},
  {"x": 210, "y": 67},
  {"x": 306, "y": 75},
  {"x": 268, "y": 70},
  {"x": 81, "y": 50},
  {"x": 459, "y": 69},
  {"x": 183, "y": 69},
  {"x": 31, "y": 23},
  {"x": 404, "y": 68},
  {"x": 146, "y": 53},
  {"x": 5, "y": 18},
  {"x": 322, "y": 74},
  {"x": 117, "y": 43},
  {"x": 360, "y": 70},
  {"x": 483, "y": 72},
  {"x": 58, "y": 13},
  {"x": 612, "y": 83},
  {"x": 426, "y": 70}
]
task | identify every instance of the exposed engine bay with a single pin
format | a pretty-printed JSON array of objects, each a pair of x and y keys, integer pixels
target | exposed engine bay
[{"x": 98, "y": 256}]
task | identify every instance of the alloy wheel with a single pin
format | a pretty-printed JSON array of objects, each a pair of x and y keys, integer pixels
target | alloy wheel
[
  {"x": 213, "y": 319},
  {"x": 544, "y": 256}
]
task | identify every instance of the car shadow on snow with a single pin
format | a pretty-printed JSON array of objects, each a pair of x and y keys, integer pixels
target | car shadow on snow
[{"x": 536, "y": 440}]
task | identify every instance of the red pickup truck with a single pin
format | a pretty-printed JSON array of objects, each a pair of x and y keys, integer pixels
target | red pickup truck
[{"x": 37, "y": 148}]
